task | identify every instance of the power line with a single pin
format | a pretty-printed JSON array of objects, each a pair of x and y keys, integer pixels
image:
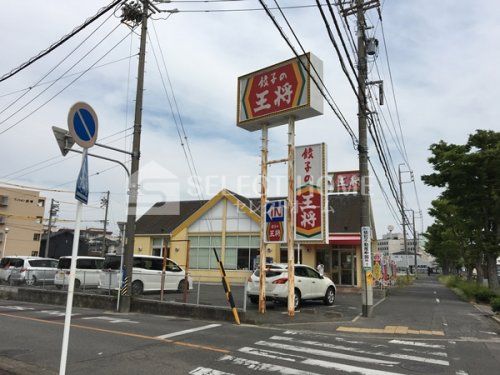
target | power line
[
  {"x": 242, "y": 9},
  {"x": 331, "y": 104},
  {"x": 60, "y": 41},
  {"x": 54, "y": 82},
  {"x": 65, "y": 87}
]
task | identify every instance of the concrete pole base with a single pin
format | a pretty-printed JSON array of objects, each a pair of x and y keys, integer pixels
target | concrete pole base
[
  {"x": 124, "y": 304},
  {"x": 367, "y": 311}
]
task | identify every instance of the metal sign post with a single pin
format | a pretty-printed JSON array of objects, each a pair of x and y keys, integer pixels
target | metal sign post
[
  {"x": 83, "y": 125},
  {"x": 263, "y": 198}
]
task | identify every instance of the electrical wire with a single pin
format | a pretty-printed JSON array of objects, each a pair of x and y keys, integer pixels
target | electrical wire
[
  {"x": 332, "y": 104},
  {"x": 60, "y": 41},
  {"x": 242, "y": 9},
  {"x": 54, "y": 82},
  {"x": 65, "y": 87}
]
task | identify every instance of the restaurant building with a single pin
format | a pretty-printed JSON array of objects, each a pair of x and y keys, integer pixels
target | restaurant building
[{"x": 230, "y": 223}]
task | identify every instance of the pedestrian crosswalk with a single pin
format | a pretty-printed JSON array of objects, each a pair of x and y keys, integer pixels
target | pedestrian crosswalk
[{"x": 294, "y": 353}]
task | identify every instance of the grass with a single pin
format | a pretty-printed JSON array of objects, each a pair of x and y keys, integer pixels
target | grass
[
  {"x": 471, "y": 291},
  {"x": 405, "y": 280}
]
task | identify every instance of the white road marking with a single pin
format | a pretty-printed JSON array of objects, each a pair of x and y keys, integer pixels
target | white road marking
[
  {"x": 186, "y": 331},
  {"x": 55, "y": 312},
  {"x": 324, "y": 353},
  {"x": 488, "y": 332},
  {"x": 207, "y": 371},
  {"x": 347, "y": 368},
  {"x": 268, "y": 354},
  {"x": 461, "y": 372},
  {"x": 111, "y": 320},
  {"x": 366, "y": 352},
  {"x": 439, "y": 354},
  {"x": 18, "y": 308},
  {"x": 435, "y": 292},
  {"x": 416, "y": 343},
  {"x": 437, "y": 300},
  {"x": 259, "y": 366}
]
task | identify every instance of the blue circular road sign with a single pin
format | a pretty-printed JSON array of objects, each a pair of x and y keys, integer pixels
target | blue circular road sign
[{"x": 83, "y": 124}]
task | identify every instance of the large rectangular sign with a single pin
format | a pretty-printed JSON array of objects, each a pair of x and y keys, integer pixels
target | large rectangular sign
[
  {"x": 366, "y": 248},
  {"x": 311, "y": 213},
  {"x": 345, "y": 182},
  {"x": 271, "y": 95},
  {"x": 275, "y": 221}
]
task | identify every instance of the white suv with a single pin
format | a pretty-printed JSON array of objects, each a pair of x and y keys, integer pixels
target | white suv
[
  {"x": 309, "y": 284},
  {"x": 146, "y": 274},
  {"x": 87, "y": 271}
]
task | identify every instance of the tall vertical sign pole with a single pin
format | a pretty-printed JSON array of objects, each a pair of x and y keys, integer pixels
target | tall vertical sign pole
[
  {"x": 263, "y": 198},
  {"x": 367, "y": 295},
  {"x": 71, "y": 285},
  {"x": 49, "y": 231},
  {"x": 290, "y": 212},
  {"x": 134, "y": 172}
]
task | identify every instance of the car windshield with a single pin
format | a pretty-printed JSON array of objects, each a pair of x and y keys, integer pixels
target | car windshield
[
  {"x": 112, "y": 262},
  {"x": 49, "y": 263}
]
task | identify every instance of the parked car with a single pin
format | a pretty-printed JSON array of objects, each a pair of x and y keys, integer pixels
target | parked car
[
  {"x": 7, "y": 264},
  {"x": 309, "y": 285},
  {"x": 87, "y": 271},
  {"x": 34, "y": 270},
  {"x": 146, "y": 274}
]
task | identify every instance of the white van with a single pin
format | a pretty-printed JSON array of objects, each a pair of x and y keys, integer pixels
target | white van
[
  {"x": 87, "y": 271},
  {"x": 146, "y": 274}
]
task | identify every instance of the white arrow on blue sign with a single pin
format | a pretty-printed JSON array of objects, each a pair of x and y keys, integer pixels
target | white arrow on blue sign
[
  {"x": 275, "y": 211},
  {"x": 83, "y": 124},
  {"x": 82, "y": 184}
]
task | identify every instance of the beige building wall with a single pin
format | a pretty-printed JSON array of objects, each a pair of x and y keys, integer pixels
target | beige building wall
[{"x": 21, "y": 221}]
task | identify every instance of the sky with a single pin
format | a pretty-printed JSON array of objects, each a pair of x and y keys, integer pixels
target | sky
[{"x": 443, "y": 58}]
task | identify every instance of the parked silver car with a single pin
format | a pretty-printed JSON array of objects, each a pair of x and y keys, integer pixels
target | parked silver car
[
  {"x": 7, "y": 264},
  {"x": 34, "y": 270}
]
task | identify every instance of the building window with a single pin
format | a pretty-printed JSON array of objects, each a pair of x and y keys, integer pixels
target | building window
[
  {"x": 34, "y": 253},
  {"x": 284, "y": 254},
  {"x": 36, "y": 237},
  {"x": 157, "y": 247},
  {"x": 241, "y": 252},
  {"x": 201, "y": 253},
  {"x": 41, "y": 203}
]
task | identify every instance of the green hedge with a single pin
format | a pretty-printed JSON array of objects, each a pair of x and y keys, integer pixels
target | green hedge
[
  {"x": 471, "y": 290},
  {"x": 495, "y": 304}
]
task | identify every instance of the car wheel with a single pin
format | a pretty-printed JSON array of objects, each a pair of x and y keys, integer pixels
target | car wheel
[
  {"x": 77, "y": 284},
  {"x": 137, "y": 288},
  {"x": 31, "y": 281},
  {"x": 297, "y": 299},
  {"x": 329, "y": 296},
  {"x": 254, "y": 300},
  {"x": 181, "y": 286}
]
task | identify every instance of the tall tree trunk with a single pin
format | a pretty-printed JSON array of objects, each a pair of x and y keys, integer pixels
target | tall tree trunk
[
  {"x": 470, "y": 268},
  {"x": 492, "y": 271},
  {"x": 480, "y": 271}
]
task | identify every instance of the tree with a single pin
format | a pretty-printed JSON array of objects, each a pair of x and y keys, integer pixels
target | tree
[{"x": 469, "y": 204}]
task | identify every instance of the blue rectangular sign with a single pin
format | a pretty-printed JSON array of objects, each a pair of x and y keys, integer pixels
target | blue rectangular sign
[
  {"x": 82, "y": 184},
  {"x": 275, "y": 211}
]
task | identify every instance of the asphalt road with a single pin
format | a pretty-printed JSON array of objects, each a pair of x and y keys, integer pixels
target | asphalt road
[{"x": 421, "y": 329}]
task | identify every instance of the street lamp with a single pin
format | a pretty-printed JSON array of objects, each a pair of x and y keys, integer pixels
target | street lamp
[{"x": 6, "y": 230}]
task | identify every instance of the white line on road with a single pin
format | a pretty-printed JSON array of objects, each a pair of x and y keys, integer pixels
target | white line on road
[
  {"x": 207, "y": 371},
  {"x": 111, "y": 320},
  {"x": 416, "y": 343},
  {"x": 259, "y": 366},
  {"x": 362, "y": 351},
  {"x": 269, "y": 354},
  {"x": 18, "y": 308},
  {"x": 437, "y": 300},
  {"x": 435, "y": 292},
  {"x": 324, "y": 353},
  {"x": 186, "y": 331},
  {"x": 347, "y": 368}
]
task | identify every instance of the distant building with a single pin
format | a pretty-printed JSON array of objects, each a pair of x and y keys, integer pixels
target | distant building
[
  {"x": 61, "y": 244},
  {"x": 21, "y": 221},
  {"x": 392, "y": 243}
]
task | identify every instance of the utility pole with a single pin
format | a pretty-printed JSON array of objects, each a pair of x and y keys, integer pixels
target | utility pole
[
  {"x": 403, "y": 216},
  {"x": 134, "y": 177},
  {"x": 364, "y": 193},
  {"x": 415, "y": 245},
  {"x": 54, "y": 208},
  {"x": 105, "y": 203}
]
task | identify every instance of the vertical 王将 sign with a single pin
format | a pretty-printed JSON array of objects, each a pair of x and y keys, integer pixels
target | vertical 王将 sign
[
  {"x": 366, "y": 248},
  {"x": 311, "y": 213},
  {"x": 275, "y": 221}
]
